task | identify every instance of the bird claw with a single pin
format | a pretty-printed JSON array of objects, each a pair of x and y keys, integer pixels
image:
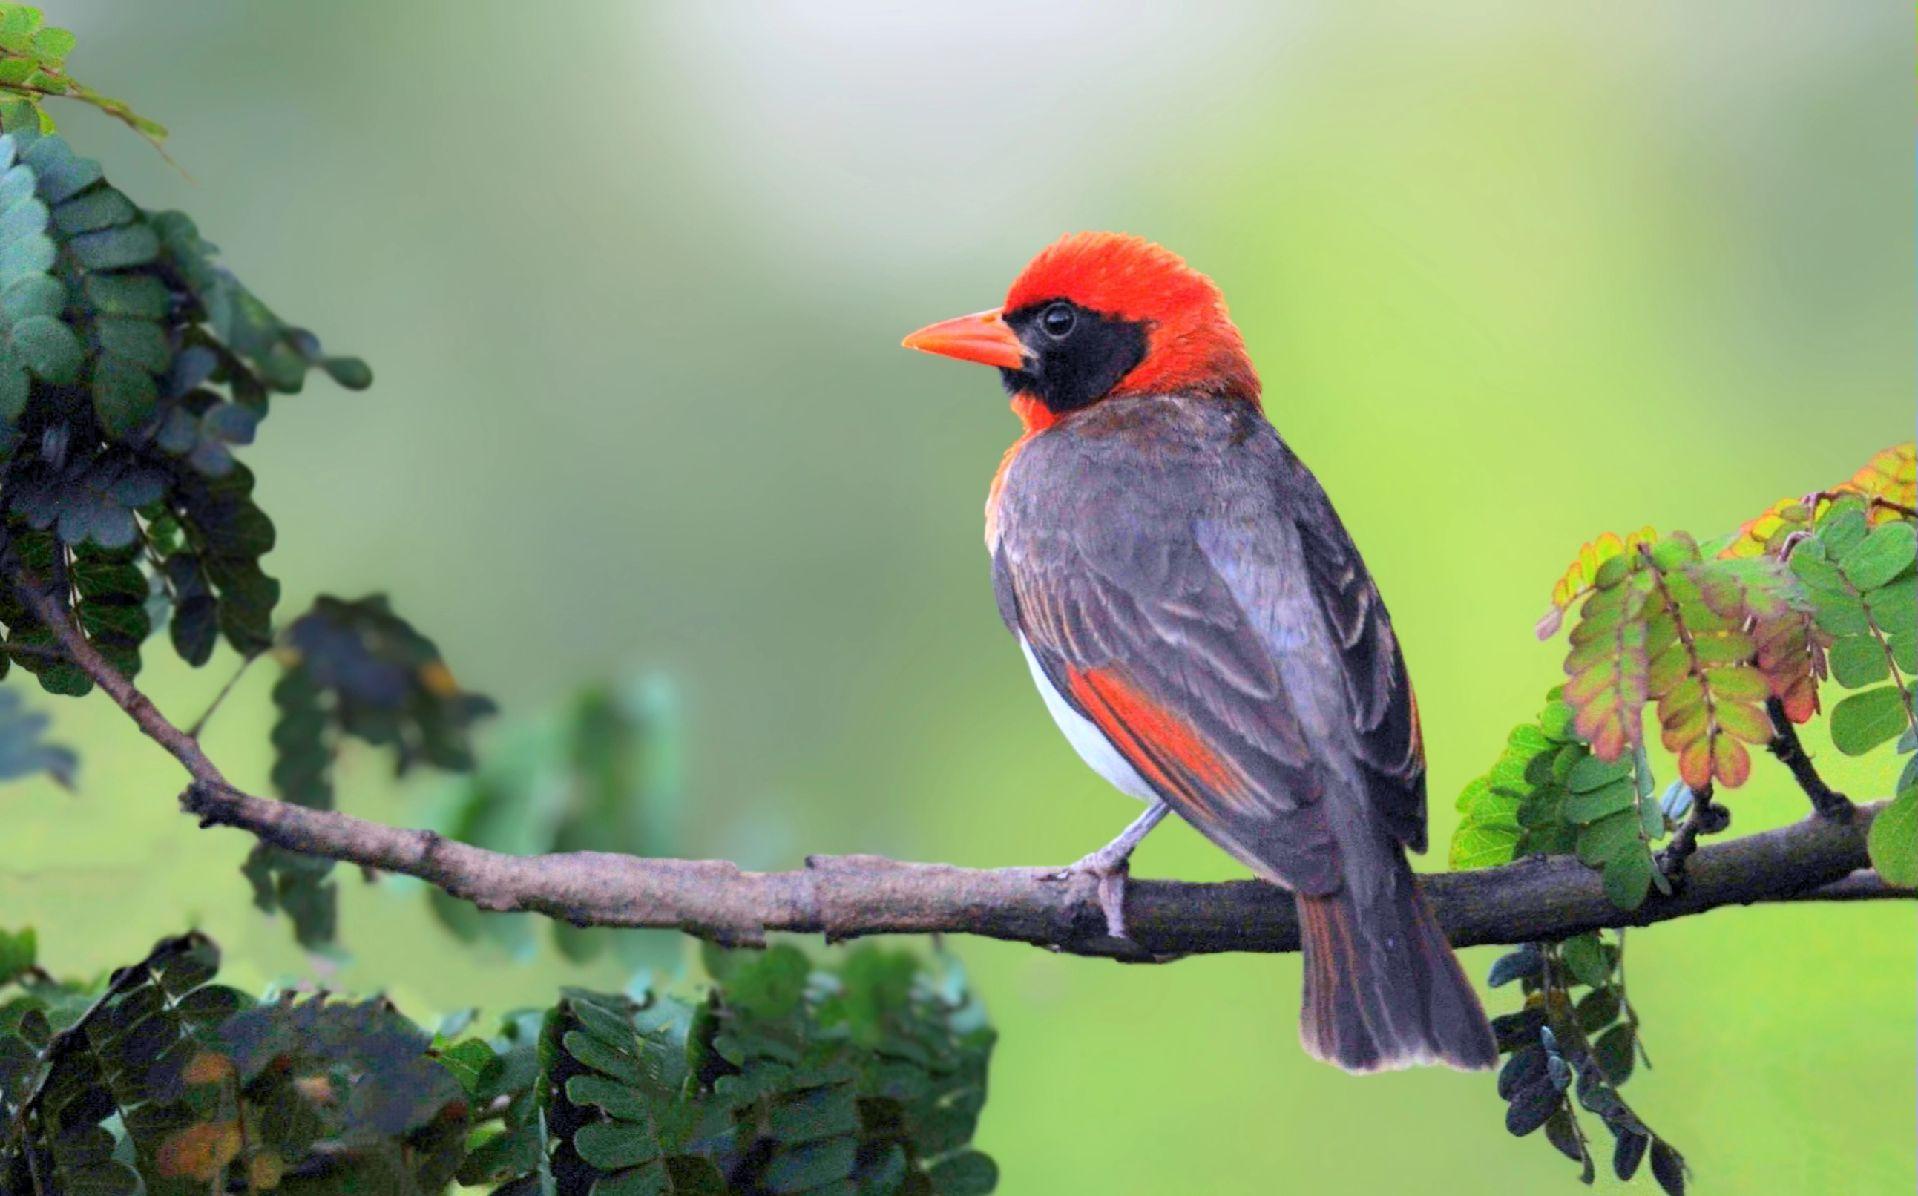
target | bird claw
[
  {"x": 1109, "y": 870},
  {"x": 1110, "y": 865}
]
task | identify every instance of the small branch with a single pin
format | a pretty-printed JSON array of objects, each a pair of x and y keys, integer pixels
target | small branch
[
  {"x": 52, "y": 614},
  {"x": 1704, "y": 818},
  {"x": 845, "y": 897},
  {"x": 1828, "y": 802},
  {"x": 213, "y": 707}
]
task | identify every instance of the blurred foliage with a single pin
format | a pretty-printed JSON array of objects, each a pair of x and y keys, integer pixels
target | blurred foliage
[
  {"x": 23, "y": 750},
  {"x": 351, "y": 670},
  {"x": 868, "y": 1077},
  {"x": 130, "y": 365},
  {"x": 601, "y": 775}
]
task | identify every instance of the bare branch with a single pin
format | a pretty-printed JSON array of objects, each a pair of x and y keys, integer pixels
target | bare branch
[
  {"x": 52, "y": 614},
  {"x": 1791, "y": 753},
  {"x": 845, "y": 897}
]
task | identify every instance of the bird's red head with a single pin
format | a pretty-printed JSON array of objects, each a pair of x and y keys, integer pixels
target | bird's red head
[{"x": 1099, "y": 315}]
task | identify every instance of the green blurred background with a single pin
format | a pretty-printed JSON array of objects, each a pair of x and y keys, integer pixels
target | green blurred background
[{"x": 632, "y": 279}]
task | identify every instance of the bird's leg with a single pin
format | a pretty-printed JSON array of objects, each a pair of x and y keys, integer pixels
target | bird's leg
[{"x": 1110, "y": 865}]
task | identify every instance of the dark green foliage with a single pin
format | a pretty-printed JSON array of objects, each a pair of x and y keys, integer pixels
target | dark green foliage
[
  {"x": 338, "y": 1096},
  {"x": 785, "y": 1079},
  {"x": 352, "y": 670},
  {"x": 1570, "y": 1047},
  {"x": 601, "y": 775},
  {"x": 864, "y": 1079},
  {"x": 383, "y": 683},
  {"x": 131, "y": 366},
  {"x": 79, "y": 1071}
]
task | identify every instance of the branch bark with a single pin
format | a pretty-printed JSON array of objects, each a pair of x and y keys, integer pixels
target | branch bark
[
  {"x": 849, "y": 896},
  {"x": 845, "y": 897},
  {"x": 1828, "y": 802}
]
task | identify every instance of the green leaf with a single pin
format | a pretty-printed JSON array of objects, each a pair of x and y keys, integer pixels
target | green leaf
[
  {"x": 614, "y": 1145},
  {"x": 1628, "y": 876},
  {"x": 124, "y": 396},
  {"x": 48, "y": 348},
  {"x": 1842, "y": 529},
  {"x": 1857, "y": 661},
  {"x": 115, "y": 248},
  {"x": 139, "y": 295},
  {"x": 1591, "y": 773},
  {"x": 1587, "y": 960},
  {"x": 1607, "y": 838},
  {"x": 1616, "y": 1052},
  {"x": 19, "y": 952},
  {"x": 1864, "y": 720},
  {"x": 17, "y": 25},
  {"x": 1881, "y": 556},
  {"x": 59, "y": 172},
  {"x": 1893, "y": 840},
  {"x": 51, "y": 45},
  {"x": 1483, "y": 846},
  {"x": 1592, "y": 805}
]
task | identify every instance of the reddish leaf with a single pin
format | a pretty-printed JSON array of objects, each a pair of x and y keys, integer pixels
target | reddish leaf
[
  {"x": 1583, "y": 574},
  {"x": 1748, "y": 722},
  {"x": 1730, "y": 761},
  {"x": 1888, "y": 476},
  {"x": 1695, "y": 763}
]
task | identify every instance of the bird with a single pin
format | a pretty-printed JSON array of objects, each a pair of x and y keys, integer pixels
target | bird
[{"x": 1203, "y": 630}]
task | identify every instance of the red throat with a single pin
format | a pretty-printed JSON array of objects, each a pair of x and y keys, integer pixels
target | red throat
[{"x": 1032, "y": 413}]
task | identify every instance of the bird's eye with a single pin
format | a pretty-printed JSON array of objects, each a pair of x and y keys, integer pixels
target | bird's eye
[{"x": 1058, "y": 320}]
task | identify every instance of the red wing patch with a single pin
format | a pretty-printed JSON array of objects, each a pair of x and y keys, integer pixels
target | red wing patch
[{"x": 1168, "y": 753}]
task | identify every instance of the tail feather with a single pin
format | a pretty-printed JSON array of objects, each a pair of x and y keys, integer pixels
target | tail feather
[{"x": 1382, "y": 987}]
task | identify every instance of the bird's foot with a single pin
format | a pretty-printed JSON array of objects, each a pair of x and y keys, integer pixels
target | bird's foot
[
  {"x": 1109, "y": 870},
  {"x": 1110, "y": 865}
]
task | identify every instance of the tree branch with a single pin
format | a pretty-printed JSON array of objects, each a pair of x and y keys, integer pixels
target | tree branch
[
  {"x": 850, "y": 896},
  {"x": 1828, "y": 802}
]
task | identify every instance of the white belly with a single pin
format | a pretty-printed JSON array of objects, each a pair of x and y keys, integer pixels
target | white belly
[{"x": 1091, "y": 744}]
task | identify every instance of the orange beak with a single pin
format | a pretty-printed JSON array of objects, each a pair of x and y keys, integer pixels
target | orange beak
[{"x": 982, "y": 337}]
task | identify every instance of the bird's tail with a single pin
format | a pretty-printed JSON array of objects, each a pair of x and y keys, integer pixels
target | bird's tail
[{"x": 1382, "y": 988}]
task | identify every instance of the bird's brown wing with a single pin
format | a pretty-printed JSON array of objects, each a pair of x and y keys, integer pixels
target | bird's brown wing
[{"x": 1209, "y": 615}]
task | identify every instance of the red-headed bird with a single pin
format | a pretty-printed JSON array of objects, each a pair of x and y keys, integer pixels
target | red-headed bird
[{"x": 1204, "y": 632}]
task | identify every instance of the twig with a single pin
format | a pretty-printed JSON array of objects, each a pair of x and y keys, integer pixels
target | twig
[
  {"x": 1704, "y": 818},
  {"x": 199, "y": 724},
  {"x": 849, "y": 896},
  {"x": 52, "y": 614},
  {"x": 1828, "y": 802}
]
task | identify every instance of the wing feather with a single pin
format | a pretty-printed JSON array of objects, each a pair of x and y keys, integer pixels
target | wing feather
[{"x": 1212, "y": 618}]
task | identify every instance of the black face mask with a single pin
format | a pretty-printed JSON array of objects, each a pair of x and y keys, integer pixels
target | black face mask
[{"x": 1074, "y": 356}]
